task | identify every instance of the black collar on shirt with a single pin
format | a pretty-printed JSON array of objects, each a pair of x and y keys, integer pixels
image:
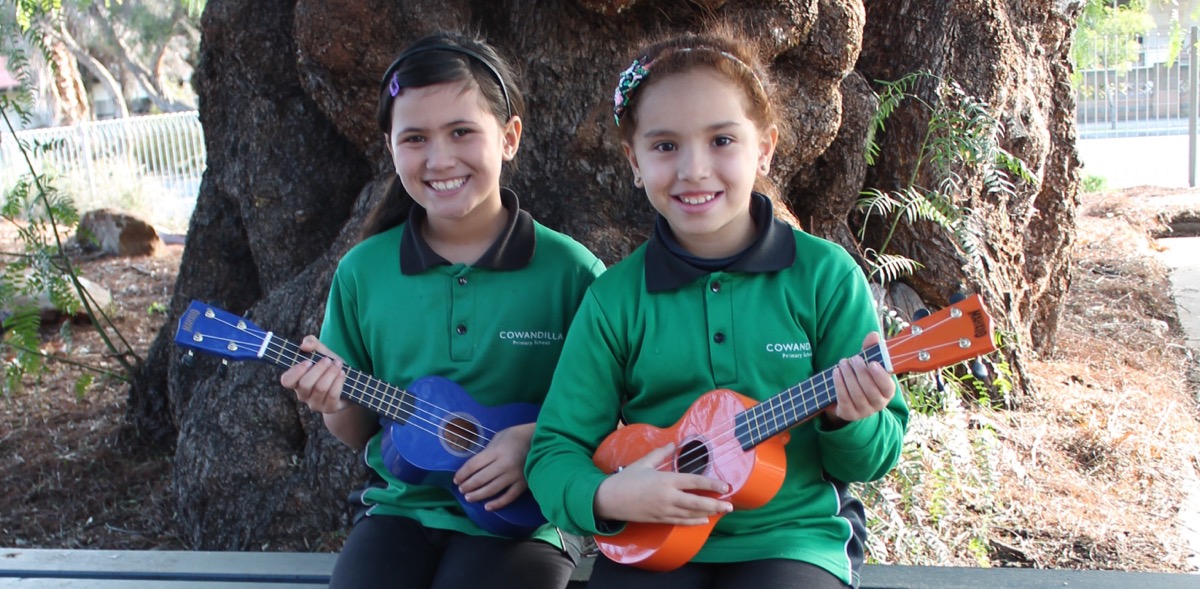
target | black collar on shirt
[
  {"x": 773, "y": 249},
  {"x": 512, "y": 250}
]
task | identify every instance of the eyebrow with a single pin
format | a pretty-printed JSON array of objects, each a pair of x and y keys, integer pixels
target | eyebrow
[
  {"x": 652, "y": 133},
  {"x": 451, "y": 124}
]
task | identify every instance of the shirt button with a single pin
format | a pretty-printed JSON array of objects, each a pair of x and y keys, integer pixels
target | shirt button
[
  {"x": 719, "y": 337},
  {"x": 462, "y": 280},
  {"x": 461, "y": 329},
  {"x": 716, "y": 286}
]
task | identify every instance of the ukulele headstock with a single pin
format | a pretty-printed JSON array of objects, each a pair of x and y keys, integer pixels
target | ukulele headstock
[
  {"x": 956, "y": 333},
  {"x": 205, "y": 328}
]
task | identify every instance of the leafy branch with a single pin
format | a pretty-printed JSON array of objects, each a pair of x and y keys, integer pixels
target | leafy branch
[
  {"x": 962, "y": 135},
  {"x": 39, "y": 214}
]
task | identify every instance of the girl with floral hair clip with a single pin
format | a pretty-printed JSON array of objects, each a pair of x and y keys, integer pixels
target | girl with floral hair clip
[{"x": 722, "y": 296}]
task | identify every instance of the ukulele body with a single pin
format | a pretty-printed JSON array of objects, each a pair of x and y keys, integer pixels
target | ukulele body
[
  {"x": 704, "y": 444},
  {"x": 446, "y": 428}
]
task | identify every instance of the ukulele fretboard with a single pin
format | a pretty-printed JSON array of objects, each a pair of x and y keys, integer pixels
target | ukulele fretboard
[
  {"x": 792, "y": 406},
  {"x": 386, "y": 399}
]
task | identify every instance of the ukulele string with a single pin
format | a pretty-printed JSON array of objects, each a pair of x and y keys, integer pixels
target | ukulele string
[
  {"x": 280, "y": 345},
  {"x": 902, "y": 339},
  {"x": 456, "y": 435},
  {"x": 727, "y": 443},
  {"x": 420, "y": 417},
  {"x": 725, "y": 447},
  {"x": 462, "y": 442}
]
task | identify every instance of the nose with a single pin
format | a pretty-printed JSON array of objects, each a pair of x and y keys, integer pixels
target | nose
[
  {"x": 694, "y": 164},
  {"x": 439, "y": 155}
]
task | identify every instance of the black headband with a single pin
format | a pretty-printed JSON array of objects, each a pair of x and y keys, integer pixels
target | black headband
[{"x": 393, "y": 84}]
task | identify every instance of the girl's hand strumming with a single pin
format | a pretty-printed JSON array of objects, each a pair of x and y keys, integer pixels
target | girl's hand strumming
[
  {"x": 497, "y": 472},
  {"x": 642, "y": 493}
]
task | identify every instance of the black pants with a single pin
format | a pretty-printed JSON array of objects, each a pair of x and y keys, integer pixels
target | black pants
[
  {"x": 399, "y": 553},
  {"x": 754, "y": 574}
]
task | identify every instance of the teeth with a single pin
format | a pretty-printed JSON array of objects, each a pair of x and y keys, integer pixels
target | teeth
[
  {"x": 697, "y": 199},
  {"x": 440, "y": 185}
]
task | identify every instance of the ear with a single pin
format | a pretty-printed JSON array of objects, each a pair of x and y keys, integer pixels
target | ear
[
  {"x": 387, "y": 142},
  {"x": 766, "y": 149},
  {"x": 632, "y": 157},
  {"x": 511, "y": 137}
]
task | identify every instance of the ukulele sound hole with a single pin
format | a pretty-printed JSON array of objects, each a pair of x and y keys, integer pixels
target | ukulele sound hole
[
  {"x": 692, "y": 458},
  {"x": 460, "y": 436}
]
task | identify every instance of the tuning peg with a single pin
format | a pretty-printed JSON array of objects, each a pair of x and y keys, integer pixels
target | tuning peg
[
  {"x": 188, "y": 359},
  {"x": 957, "y": 297},
  {"x": 920, "y": 314},
  {"x": 978, "y": 370},
  {"x": 223, "y": 369}
]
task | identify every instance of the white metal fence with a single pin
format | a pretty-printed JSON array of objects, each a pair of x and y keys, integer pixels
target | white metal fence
[
  {"x": 1134, "y": 85},
  {"x": 1135, "y": 98},
  {"x": 150, "y": 165}
]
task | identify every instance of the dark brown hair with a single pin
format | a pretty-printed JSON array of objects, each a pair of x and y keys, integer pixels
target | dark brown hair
[{"x": 438, "y": 59}]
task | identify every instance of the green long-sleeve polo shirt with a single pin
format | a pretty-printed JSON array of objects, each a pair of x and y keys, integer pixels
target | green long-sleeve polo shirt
[
  {"x": 495, "y": 328},
  {"x": 644, "y": 357}
]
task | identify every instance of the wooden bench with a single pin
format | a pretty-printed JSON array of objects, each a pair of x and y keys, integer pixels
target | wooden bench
[{"x": 116, "y": 569}]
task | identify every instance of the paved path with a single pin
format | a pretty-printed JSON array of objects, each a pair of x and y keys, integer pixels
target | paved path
[{"x": 1182, "y": 256}]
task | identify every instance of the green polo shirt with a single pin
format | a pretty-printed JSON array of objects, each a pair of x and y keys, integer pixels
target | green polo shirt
[
  {"x": 399, "y": 311},
  {"x": 655, "y": 332}
]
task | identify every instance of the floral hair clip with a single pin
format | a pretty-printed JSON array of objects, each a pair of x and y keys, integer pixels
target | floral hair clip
[
  {"x": 632, "y": 78},
  {"x": 626, "y": 84}
]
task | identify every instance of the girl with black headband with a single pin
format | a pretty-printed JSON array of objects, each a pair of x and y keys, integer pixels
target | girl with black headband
[
  {"x": 723, "y": 309},
  {"x": 454, "y": 292}
]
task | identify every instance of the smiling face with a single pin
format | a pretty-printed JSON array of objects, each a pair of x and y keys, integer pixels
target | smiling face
[
  {"x": 448, "y": 148},
  {"x": 698, "y": 154}
]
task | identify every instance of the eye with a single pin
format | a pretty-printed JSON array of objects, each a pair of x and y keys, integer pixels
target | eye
[
  {"x": 411, "y": 139},
  {"x": 664, "y": 146},
  {"x": 461, "y": 132},
  {"x": 723, "y": 140}
]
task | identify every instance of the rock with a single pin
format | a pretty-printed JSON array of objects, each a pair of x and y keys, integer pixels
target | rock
[
  {"x": 50, "y": 313},
  {"x": 117, "y": 234}
]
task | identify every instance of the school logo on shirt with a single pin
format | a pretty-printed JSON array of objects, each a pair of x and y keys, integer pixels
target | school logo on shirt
[
  {"x": 790, "y": 350},
  {"x": 531, "y": 338}
]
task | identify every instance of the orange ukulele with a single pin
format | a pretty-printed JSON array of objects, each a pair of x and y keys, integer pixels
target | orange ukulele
[{"x": 733, "y": 438}]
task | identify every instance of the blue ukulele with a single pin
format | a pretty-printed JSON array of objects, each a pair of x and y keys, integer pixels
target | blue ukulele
[{"x": 430, "y": 430}]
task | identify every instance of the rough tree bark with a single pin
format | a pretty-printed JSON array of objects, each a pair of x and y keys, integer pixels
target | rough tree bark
[{"x": 287, "y": 90}]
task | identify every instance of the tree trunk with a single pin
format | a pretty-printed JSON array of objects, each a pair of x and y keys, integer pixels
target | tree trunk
[
  {"x": 67, "y": 86},
  {"x": 93, "y": 65},
  {"x": 1013, "y": 55},
  {"x": 287, "y": 91}
]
